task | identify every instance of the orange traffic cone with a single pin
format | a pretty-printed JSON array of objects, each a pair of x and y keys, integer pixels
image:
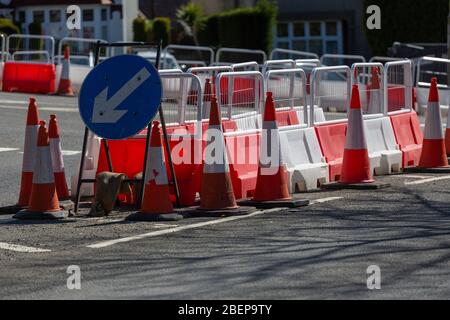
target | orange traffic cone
[
  {"x": 207, "y": 99},
  {"x": 216, "y": 195},
  {"x": 356, "y": 172},
  {"x": 375, "y": 102},
  {"x": 433, "y": 148},
  {"x": 44, "y": 202},
  {"x": 65, "y": 85},
  {"x": 57, "y": 159},
  {"x": 272, "y": 182},
  {"x": 156, "y": 205},
  {"x": 29, "y": 153}
]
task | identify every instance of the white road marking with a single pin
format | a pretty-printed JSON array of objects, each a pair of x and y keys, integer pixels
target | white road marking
[
  {"x": 323, "y": 200},
  {"x": 408, "y": 183},
  {"x": 108, "y": 243},
  {"x": 23, "y": 102},
  {"x": 70, "y": 152},
  {"x": 19, "y": 248},
  {"x": 53, "y": 109},
  {"x": 7, "y": 149},
  {"x": 412, "y": 176}
]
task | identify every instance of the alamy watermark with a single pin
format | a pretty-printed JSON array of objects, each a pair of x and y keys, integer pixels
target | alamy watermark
[
  {"x": 374, "y": 279},
  {"x": 374, "y": 20},
  {"x": 73, "y": 17},
  {"x": 74, "y": 280}
]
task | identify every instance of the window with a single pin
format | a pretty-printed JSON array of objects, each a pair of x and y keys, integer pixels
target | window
[
  {"x": 88, "y": 32},
  {"x": 319, "y": 37},
  {"x": 88, "y": 15},
  {"x": 104, "y": 32},
  {"x": 21, "y": 16},
  {"x": 55, "y": 16},
  {"x": 282, "y": 30},
  {"x": 38, "y": 16},
  {"x": 104, "y": 14}
]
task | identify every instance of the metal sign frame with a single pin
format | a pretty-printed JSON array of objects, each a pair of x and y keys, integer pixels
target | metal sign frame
[{"x": 141, "y": 181}]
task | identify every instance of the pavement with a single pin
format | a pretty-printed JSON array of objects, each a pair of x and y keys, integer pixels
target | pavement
[{"x": 321, "y": 251}]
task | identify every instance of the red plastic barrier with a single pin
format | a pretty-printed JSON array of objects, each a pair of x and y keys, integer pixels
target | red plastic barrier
[
  {"x": 243, "y": 154},
  {"x": 243, "y": 91},
  {"x": 128, "y": 157},
  {"x": 409, "y": 137},
  {"x": 29, "y": 77},
  {"x": 287, "y": 118},
  {"x": 332, "y": 142}
]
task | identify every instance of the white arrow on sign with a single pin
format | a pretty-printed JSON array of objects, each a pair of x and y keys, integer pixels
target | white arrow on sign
[{"x": 104, "y": 110}]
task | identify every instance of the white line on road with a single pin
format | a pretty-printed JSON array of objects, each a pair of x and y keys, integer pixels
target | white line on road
[
  {"x": 19, "y": 248},
  {"x": 193, "y": 226},
  {"x": 408, "y": 183},
  {"x": 70, "y": 152},
  {"x": 7, "y": 149},
  {"x": 323, "y": 200},
  {"x": 53, "y": 109},
  {"x": 412, "y": 176},
  {"x": 22, "y": 102}
]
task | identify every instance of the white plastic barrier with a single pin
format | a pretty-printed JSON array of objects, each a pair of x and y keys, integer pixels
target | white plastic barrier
[
  {"x": 384, "y": 153},
  {"x": 306, "y": 166}
]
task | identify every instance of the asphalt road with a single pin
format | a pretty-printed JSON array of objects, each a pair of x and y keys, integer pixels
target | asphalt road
[{"x": 321, "y": 251}]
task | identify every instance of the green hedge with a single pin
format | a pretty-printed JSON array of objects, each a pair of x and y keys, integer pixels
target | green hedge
[
  {"x": 161, "y": 30},
  {"x": 407, "y": 21},
  {"x": 208, "y": 34},
  {"x": 8, "y": 27},
  {"x": 140, "y": 29},
  {"x": 249, "y": 28}
]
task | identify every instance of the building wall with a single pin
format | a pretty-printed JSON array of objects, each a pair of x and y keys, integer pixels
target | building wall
[{"x": 349, "y": 12}]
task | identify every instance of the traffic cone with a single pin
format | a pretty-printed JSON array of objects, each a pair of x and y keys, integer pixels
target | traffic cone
[
  {"x": 29, "y": 153},
  {"x": 65, "y": 85},
  {"x": 207, "y": 99},
  {"x": 356, "y": 172},
  {"x": 272, "y": 188},
  {"x": 216, "y": 194},
  {"x": 447, "y": 135},
  {"x": 433, "y": 148},
  {"x": 57, "y": 159},
  {"x": 375, "y": 102},
  {"x": 44, "y": 202},
  {"x": 156, "y": 205}
]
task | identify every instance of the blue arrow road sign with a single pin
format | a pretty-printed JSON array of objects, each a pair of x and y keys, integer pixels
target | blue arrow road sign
[{"x": 120, "y": 96}]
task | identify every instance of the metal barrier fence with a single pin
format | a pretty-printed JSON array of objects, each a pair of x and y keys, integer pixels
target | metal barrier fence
[
  {"x": 32, "y": 47},
  {"x": 240, "y": 93},
  {"x": 81, "y": 50},
  {"x": 277, "y": 64},
  {"x": 397, "y": 87},
  {"x": 288, "y": 89},
  {"x": 236, "y": 55},
  {"x": 190, "y": 56},
  {"x": 182, "y": 98},
  {"x": 370, "y": 88},
  {"x": 340, "y": 59},
  {"x": 330, "y": 89},
  {"x": 279, "y": 53},
  {"x": 246, "y": 66}
]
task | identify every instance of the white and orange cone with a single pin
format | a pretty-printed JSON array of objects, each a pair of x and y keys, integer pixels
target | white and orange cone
[
  {"x": 207, "y": 99},
  {"x": 29, "y": 153},
  {"x": 433, "y": 148},
  {"x": 272, "y": 189},
  {"x": 57, "y": 159},
  {"x": 374, "y": 105},
  {"x": 65, "y": 85},
  {"x": 355, "y": 164},
  {"x": 156, "y": 204},
  {"x": 44, "y": 202},
  {"x": 217, "y": 189}
]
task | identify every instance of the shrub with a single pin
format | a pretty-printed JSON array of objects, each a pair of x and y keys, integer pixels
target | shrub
[
  {"x": 161, "y": 30},
  {"x": 8, "y": 27},
  {"x": 140, "y": 29}
]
